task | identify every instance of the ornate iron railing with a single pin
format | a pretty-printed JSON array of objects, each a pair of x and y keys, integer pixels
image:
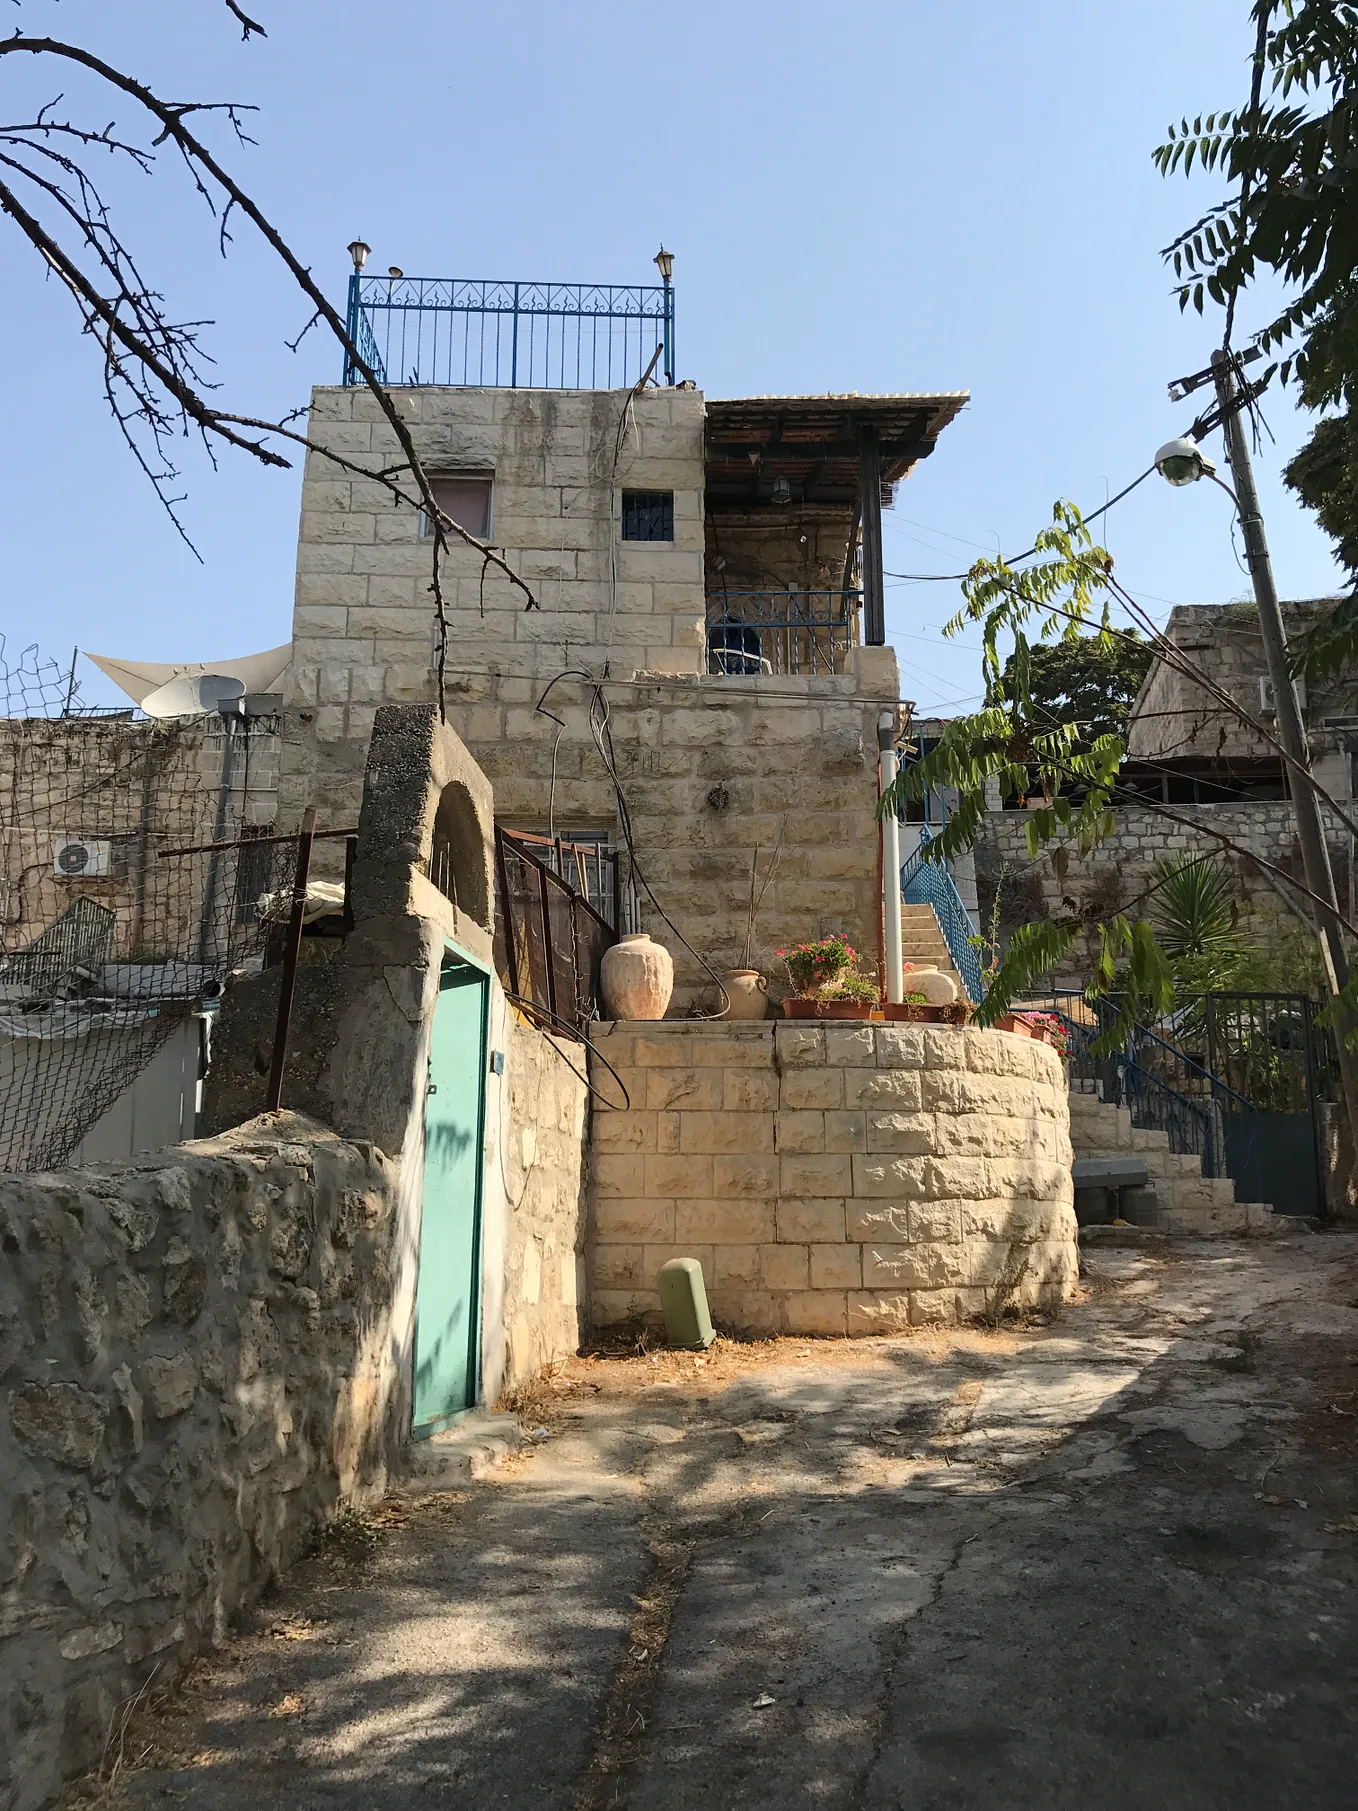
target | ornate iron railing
[
  {"x": 781, "y": 631},
  {"x": 925, "y": 882},
  {"x": 547, "y": 336},
  {"x": 549, "y": 937}
]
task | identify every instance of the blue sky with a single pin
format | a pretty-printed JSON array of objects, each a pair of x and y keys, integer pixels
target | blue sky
[{"x": 875, "y": 196}]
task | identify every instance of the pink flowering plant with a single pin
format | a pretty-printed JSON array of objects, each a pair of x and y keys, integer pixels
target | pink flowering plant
[
  {"x": 1052, "y": 1026},
  {"x": 811, "y": 966}
]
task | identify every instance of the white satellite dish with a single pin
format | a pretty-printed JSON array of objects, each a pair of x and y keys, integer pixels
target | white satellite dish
[{"x": 193, "y": 695}]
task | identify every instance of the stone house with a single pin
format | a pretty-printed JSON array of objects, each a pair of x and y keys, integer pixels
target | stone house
[
  {"x": 1192, "y": 768},
  {"x": 708, "y": 584}
]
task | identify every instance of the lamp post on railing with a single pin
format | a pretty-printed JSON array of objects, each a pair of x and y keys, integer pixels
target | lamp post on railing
[
  {"x": 664, "y": 263},
  {"x": 359, "y": 252}
]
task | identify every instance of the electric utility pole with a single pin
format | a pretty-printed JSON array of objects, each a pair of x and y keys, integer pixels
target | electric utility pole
[{"x": 1315, "y": 854}]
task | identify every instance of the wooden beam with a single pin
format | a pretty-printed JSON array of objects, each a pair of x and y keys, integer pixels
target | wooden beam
[
  {"x": 892, "y": 452},
  {"x": 870, "y": 503}
]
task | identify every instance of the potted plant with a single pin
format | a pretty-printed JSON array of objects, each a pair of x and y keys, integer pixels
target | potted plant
[
  {"x": 849, "y": 996},
  {"x": 918, "y": 1009},
  {"x": 1042, "y": 1027},
  {"x": 747, "y": 992},
  {"x": 815, "y": 968}
]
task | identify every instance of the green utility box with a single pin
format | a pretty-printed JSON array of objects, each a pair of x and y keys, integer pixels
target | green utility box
[{"x": 683, "y": 1302}]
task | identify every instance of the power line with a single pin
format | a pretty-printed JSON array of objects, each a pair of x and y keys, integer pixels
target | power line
[{"x": 949, "y": 578}]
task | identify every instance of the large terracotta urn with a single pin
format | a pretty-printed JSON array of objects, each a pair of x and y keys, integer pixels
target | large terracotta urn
[
  {"x": 927, "y": 978},
  {"x": 747, "y": 993},
  {"x": 637, "y": 977}
]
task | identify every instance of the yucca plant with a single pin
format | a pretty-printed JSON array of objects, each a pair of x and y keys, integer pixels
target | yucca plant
[{"x": 1194, "y": 910}]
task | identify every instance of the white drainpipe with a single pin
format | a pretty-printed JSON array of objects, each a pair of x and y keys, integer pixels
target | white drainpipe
[{"x": 891, "y": 863}]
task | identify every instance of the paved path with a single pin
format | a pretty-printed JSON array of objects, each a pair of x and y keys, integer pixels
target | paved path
[{"x": 1110, "y": 1563}]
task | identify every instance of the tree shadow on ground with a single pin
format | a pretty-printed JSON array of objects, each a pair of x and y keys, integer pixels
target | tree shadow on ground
[{"x": 1009, "y": 1570}]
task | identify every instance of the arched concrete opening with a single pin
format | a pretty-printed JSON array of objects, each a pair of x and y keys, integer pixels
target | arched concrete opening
[{"x": 457, "y": 857}]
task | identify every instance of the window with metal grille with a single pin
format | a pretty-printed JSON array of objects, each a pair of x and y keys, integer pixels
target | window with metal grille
[{"x": 648, "y": 515}]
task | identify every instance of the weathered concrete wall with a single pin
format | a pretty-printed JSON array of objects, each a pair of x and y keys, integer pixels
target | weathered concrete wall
[
  {"x": 833, "y": 1179},
  {"x": 358, "y": 1052},
  {"x": 196, "y": 1363}
]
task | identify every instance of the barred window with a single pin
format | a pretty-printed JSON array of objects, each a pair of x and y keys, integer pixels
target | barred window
[{"x": 648, "y": 515}]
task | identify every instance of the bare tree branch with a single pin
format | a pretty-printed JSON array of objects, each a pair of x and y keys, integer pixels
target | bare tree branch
[
  {"x": 153, "y": 377},
  {"x": 248, "y": 25}
]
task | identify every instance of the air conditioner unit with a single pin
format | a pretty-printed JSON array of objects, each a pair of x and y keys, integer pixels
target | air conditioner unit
[
  {"x": 81, "y": 860},
  {"x": 1268, "y": 704}
]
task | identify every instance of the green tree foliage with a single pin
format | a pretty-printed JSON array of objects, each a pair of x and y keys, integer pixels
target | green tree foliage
[
  {"x": 1090, "y": 681},
  {"x": 1062, "y": 597},
  {"x": 1290, "y": 158}
]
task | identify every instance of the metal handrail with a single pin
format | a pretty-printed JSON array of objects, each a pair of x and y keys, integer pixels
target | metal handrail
[
  {"x": 486, "y": 334},
  {"x": 1192, "y": 1128},
  {"x": 925, "y": 882}
]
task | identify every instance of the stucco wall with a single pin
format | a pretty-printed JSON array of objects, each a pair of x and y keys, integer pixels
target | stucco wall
[
  {"x": 832, "y": 1179},
  {"x": 196, "y": 1361}
]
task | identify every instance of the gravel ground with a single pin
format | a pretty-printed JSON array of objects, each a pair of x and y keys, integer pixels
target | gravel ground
[{"x": 1109, "y": 1561}]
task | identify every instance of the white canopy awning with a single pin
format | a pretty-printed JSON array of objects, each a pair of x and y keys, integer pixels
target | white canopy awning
[{"x": 139, "y": 678}]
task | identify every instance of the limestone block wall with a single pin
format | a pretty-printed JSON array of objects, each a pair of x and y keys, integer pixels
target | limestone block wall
[
  {"x": 1120, "y": 868},
  {"x": 196, "y": 1362},
  {"x": 535, "y": 1206},
  {"x": 560, "y": 461},
  {"x": 852, "y": 1179},
  {"x": 1175, "y": 716}
]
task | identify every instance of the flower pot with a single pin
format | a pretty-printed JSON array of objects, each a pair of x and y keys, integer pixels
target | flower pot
[
  {"x": 637, "y": 978},
  {"x": 915, "y": 1012},
  {"x": 798, "y": 1007},
  {"x": 927, "y": 978},
  {"x": 747, "y": 992}
]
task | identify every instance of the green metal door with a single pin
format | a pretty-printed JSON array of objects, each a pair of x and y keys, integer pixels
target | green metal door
[{"x": 447, "y": 1319}]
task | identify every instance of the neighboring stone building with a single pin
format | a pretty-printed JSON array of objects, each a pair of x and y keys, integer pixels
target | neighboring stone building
[
  {"x": 1198, "y": 769},
  {"x": 705, "y": 619},
  {"x": 111, "y": 939}
]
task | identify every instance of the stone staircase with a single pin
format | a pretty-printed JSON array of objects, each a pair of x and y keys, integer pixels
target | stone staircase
[
  {"x": 1193, "y": 1206},
  {"x": 922, "y": 940}
]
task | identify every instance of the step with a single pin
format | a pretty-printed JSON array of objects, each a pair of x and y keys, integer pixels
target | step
[{"x": 468, "y": 1450}]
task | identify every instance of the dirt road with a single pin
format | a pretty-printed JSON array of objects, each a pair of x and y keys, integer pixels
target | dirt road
[{"x": 1110, "y": 1562}]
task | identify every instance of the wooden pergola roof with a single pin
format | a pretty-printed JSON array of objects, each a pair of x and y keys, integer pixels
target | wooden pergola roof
[{"x": 814, "y": 442}]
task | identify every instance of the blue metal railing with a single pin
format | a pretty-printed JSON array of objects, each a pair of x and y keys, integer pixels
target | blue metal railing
[
  {"x": 930, "y": 883},
  {"x": 781, "y": 631},
  {"x": 1191, "y": 1125},
  {"x": 547, "y": 336}
]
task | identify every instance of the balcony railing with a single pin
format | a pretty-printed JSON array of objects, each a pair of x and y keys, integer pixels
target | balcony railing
[
  {"x": 546, "y": 336},
  {"x": 781, "y": 631}
]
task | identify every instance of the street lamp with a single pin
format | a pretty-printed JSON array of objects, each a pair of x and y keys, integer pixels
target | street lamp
[
  {"x": 358, "y": 251},
  {"x": 1183, "y": 461},
  {"x": 664, "y": 263}
]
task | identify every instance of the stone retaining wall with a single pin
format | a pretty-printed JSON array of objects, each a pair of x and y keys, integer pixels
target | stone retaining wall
[
  {"x": 832, "y": 1179},
  {"x": 196, "y": 1363}
]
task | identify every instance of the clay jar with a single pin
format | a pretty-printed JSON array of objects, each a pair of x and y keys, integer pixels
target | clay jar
[
  {"x": 928, "y": 979},
  {"x": 748, "y": 992},
  {"x": 637, "y": 977}
]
